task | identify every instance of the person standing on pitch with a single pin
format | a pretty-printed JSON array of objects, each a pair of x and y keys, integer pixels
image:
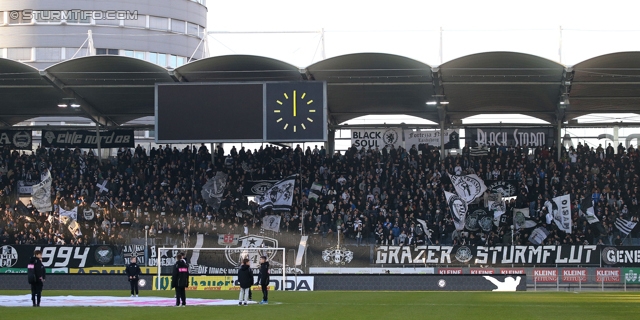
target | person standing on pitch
[
  {"x": 245, "y": 277},
  {"x": 180, "y": 279},
  {"x": 263, "y": 279},
  {"x": 36, "y": 275},
  {"x": 133, "y": 272}
]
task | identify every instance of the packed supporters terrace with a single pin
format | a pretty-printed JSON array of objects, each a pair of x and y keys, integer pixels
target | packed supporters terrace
[{"x": 375, "y": 196}]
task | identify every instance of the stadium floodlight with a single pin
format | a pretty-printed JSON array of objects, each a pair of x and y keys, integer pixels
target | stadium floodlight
[
  {"x": 62, "y": 105},
  {"x": 75, "y": 105},
  {"x": 432, "y": 103}
]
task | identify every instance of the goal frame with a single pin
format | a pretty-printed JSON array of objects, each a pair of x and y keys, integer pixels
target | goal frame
[{"x": 159, "y": 249}]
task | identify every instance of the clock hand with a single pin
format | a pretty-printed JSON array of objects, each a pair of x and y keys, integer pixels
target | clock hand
[{"x": 294, "y": 103}]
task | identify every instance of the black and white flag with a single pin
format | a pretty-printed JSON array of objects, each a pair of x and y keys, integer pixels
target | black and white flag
[
  {"x": 88, "y": 214},
  {"x": 560, "y": 208},
  {"x": 316, "y": 190},
  {"x": 468, "y": 187},
  {"x": 102, "y": 187},
  {"x": 491, "y": 198},
  {"x": 73, "y": 213},
  {"x": 280, "y": 196},
  {"x": 458, "y": 209},
  {"x": 586, "y": 208},
  {"x": 41, "y": 197},
  {"x": 213, "y": 190},
  {"x": 478, "y": 151},
  {"x": 625, "y": 226},
  {"x": 520, "y": 219},
  {"x": 424, "y": 228},
  {"x": 538, "y": 235},
  {"x": 271, "y": 223}
]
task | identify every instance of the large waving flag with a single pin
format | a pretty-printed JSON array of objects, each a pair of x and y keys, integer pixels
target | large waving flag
[
  {"x": 468, "y": 187},
  {"x": 280, "y": 196},
  {"x": 458, "y": 209}
]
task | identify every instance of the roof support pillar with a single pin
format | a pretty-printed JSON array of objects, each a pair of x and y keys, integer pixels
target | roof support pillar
[
  {"x": 442, "y": 127},
  {"x": 559, "y": 139}
]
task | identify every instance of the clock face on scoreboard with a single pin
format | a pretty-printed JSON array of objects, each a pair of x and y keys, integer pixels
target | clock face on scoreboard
[{"x": 295, "y": 111}]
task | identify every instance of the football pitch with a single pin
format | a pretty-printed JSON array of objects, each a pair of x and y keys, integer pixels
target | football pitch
[{"x": 356, "y": 305}]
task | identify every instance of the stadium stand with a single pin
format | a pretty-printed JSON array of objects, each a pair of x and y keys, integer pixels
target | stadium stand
[{"x": 375, "y": 195}]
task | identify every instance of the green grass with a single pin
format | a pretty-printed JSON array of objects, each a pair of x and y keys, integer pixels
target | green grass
[{"x": 359, "y": 305}]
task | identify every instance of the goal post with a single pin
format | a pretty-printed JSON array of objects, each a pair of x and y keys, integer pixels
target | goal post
[{"x": 193, "y": 255}]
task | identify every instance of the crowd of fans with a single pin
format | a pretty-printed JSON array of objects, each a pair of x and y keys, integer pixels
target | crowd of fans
[{"x": 368, "y": 195}]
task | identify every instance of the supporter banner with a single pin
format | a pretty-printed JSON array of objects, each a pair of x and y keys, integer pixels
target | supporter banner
[
  {"x": 26, "y": 187},
  {"x": 87, "y": 139},
  {"x": 18, "y": 256},
  {"x": 432, "y": 138},
  {"x": 506, "y": 188},
  {"x": 624, "y": 256},
  {"x": 468, "y": 187},
  {"x": 41, "y": 198},
  {"x": 111, "y": 270},
  {"x": 16, "y": 139},
  {"x": 213, "y": 189},
  {"x": 135, "y": 251},
  {"x": 560, "y": 207},
  {"x": 230, "y": 283},
  {"x": 279, "y": 197},
  {"x": 376, "y": 138},
  {"x": 516, "y": 137},
  {"x": 228, "y": 239},
  {"x": 631, "y": 275},
  {"x": 257, "y": 187},
  {"x": 458, "y": 209},
  {"x": 24, "y": 270},
  {"x": 481, "y": 255}
]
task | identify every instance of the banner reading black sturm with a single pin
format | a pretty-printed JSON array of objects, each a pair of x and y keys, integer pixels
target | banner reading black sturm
[
  {"x": 88, "y": 139},
  {"x": 18, "y": 256},
  {"x": 516, "y": 137},
  {"x": 16, "y": 139}
]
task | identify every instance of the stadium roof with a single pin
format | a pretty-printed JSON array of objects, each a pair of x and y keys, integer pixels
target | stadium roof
[{"x": 112, "y": 90}]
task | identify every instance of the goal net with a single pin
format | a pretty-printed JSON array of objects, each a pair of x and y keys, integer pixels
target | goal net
[{"x": 217, "y": 268}]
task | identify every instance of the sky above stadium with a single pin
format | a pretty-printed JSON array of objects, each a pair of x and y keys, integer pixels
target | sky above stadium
[{"x": 412, "y": 28}]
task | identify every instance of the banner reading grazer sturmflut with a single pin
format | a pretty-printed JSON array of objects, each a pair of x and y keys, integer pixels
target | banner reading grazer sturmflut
[
  {"x": 481, "y": 255},
  {"x": 88, "y": 139}
]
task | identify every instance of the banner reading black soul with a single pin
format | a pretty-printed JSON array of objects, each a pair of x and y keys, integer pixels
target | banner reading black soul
[
  {"x": 516, "y": 137},
  {"x": 18, "y": 256},
  {"x": 88, "y": 139},
  {"x": 16, "y": 139}
]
